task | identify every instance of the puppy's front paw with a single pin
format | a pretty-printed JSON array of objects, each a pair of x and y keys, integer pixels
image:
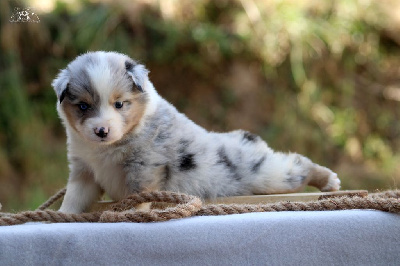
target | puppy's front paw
[{"x": 333, "y": 183}]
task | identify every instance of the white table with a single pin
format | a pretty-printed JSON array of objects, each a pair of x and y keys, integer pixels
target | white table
[{"x": 351, "y": 237}]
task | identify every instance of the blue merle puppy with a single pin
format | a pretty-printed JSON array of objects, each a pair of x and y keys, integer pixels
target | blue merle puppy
[{"x": 124, "y": 138}]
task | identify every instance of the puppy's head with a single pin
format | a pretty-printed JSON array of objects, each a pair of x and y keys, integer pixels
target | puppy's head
[{"x": 102, "y": 95}]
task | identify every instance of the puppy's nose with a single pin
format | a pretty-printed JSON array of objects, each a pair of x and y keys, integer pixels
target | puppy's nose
[{"x": 101, "y": 132}]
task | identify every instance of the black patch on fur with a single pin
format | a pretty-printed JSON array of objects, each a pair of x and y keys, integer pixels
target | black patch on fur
[
  {"x": 139, "y": 88},
  {"x": 167, "y": 175},
  {"x": 63, "y": 93},
  {"x": 296, "y": 180},
  {"x": 225, "y": 161},
  {"x": 135, "y": 161},
  {"x": 247, "y": 136},
  {"x": 129, "y": 67},
  {"x": 256, "y": 166},
  {"x": 187, "y": 162},
  {"x": 186, "y": 159}
]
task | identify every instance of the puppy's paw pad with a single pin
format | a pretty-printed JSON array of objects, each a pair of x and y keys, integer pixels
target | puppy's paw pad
[{"x": 333, "y": 183}]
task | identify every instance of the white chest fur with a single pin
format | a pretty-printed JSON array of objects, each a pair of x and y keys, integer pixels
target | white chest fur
[{"x": 106, "y": 164}]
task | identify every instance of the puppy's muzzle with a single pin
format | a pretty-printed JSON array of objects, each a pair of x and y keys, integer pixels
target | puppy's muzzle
[{"x": 102, "y": 132}]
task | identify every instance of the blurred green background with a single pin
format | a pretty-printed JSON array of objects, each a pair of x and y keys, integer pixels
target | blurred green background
[{"x": 321, "y": 78}]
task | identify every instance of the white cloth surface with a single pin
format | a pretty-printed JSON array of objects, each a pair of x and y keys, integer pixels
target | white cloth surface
[{"x": 351, "y": 237}]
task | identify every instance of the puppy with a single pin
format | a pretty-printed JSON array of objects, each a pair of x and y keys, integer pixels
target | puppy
[{"x": 124, "y": 138}]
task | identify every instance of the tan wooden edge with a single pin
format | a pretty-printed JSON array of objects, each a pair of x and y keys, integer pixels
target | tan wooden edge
[
  {"x": 302, "y": 197},
  {"x": 259, "y": 199}
]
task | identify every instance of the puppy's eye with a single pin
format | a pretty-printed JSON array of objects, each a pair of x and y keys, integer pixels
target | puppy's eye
[
  {"x": 84, "y": 106},
  {"x": 118, "y": 105}
]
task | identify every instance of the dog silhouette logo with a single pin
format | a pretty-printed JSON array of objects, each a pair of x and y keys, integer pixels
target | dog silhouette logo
[{"x": 24, "y": 15}]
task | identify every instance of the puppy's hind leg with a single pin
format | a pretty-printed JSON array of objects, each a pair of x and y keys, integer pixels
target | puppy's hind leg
[
  {"x": 285, "y": 173},
  {"x": 323, "y": 179}
]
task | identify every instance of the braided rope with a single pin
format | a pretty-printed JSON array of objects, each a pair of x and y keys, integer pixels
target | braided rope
[
  {"x": 186, "y": 206},
  {"x": 52, "y": 199},
  {"x": 332, "y": 204},
  {"x": 192, "y": 206},
  {"x": 387, "y": 194}
]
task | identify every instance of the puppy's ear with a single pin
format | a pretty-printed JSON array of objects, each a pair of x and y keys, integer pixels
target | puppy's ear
[
  {"x": 60, "y": 84},
  {"x": 138, "y": 73}
]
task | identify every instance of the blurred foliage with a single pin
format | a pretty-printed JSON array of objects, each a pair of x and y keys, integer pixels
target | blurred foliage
[{"x": 321, "y": 78}]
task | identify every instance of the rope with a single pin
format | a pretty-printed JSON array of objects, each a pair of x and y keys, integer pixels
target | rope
[
  {"x": 187, "y": 206},
  {"x": 387, "y": 194},
  {"x": 52, "y": 199}
]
